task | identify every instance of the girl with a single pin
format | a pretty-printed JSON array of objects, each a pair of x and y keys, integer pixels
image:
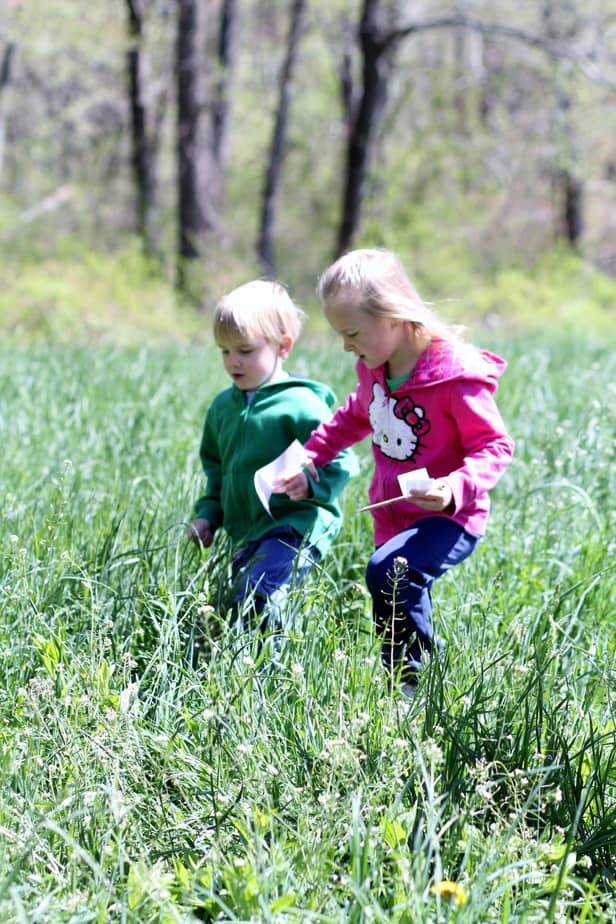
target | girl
[{"x": 427, "y": 399}]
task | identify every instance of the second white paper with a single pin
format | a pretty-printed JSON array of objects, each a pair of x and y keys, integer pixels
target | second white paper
[{"x": 418, "y": 480}]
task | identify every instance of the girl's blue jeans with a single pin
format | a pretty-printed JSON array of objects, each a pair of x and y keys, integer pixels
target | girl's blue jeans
[
  {"x": 400, "y": 575},
  {"x": 263, "y": 573}
]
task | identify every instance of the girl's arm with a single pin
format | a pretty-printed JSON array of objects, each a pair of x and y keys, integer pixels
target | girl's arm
[
  {"x": 327, "y": 447},
  {"x": 487, "y": 446},
  {"x": 348, "y": 426}
]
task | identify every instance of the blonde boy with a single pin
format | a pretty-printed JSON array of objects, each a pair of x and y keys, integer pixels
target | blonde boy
[{"x": 248, "y": 425}]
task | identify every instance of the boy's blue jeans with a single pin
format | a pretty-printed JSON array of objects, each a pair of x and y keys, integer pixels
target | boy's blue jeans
[
  {"x": 264, "y": 571},
  {"x": 400, "y": 575}
]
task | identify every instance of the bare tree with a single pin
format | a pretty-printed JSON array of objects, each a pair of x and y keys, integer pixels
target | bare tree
[
  {"x": 195, "y": 219},
  {"x": 573, "y": 208},
  {"x": 146, "y": 122},
  {"x": 567, "y": 184},
  {"x": 265, "y": 244},
  {"x": 222, "y": 93},
  {"x": 5, "y": 79},
  {"x": 204, "y": 106},
  {"x": 364, "y": 117},
  {"x": 377, "y": 42}
]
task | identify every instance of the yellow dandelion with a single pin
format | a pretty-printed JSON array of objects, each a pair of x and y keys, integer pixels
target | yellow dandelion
[{"x": 448, "y": 889}]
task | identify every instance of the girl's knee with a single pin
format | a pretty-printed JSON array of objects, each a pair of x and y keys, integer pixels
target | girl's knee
[
  {"x": 393, "y": 569},
  {"x": 376, "y": 574}
]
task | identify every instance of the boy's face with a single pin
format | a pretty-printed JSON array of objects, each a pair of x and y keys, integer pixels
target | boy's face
[{"x": 251, "y": 362}]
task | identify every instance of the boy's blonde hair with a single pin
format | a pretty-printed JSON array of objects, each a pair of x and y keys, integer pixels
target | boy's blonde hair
[
  {"x": 377, "y": 283},
  {"x": 258, "y": 308}
]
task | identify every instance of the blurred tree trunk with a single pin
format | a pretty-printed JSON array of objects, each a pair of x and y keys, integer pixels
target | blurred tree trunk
[
  {"x": 377, "y": 42},
  {"x": 561, "y": 21},
  {"x": 364, "y": 118},
  {"x": 195, "y": 220},
  {"x": 574, "y": 209},
  {"x": 265, "y": 244},
  {"x": 204, "y": 109},
  {"x": 146, "y": 121},
  {"x": 222, "y": 94},
  {"x": 5, "y": 79},
  {"x": 460, "y": 82}
]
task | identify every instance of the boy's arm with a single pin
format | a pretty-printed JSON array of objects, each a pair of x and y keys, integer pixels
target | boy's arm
[
  {"x": 199, "y": 531},
  {"x": 208, "y": 506},
  {"x": 333, "y": 477}
]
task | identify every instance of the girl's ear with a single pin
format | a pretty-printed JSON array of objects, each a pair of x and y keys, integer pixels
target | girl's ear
[{"x": 285, "y": 345}]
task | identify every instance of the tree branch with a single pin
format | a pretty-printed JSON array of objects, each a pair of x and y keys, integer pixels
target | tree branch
[
  {"x": 554, "y": 48},
  {"x": 50, "y": 203}
]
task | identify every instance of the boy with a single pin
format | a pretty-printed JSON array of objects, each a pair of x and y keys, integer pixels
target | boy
[{"x": 246, "y": 427}]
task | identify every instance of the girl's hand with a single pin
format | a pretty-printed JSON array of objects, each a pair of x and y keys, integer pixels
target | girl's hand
[
  {"x": 438, "y": 498},
  {"x": 296, "y": 486},
  {"x": 200, "y": 532}
]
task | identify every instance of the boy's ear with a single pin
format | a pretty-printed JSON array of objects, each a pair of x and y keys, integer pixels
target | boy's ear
[{"x": 285, "y": 346}]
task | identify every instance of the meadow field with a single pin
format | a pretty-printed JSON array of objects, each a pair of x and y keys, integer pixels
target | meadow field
[{"x": 135, "y": 787}]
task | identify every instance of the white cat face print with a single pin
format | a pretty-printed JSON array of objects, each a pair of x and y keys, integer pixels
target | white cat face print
[{"x": 397, "y": 424}]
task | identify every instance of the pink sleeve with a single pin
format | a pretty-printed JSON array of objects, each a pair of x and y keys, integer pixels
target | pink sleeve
[
  {"x": 349, "y": 425},
  {"x": 487, "y": 446}
]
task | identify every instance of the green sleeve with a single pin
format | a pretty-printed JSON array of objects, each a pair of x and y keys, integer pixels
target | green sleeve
[
  {"x": 208, "y": 506},
  {"x": 333, "y": 477}
]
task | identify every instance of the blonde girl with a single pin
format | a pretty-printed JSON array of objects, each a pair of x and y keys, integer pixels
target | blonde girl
[{"x": 426, "y": 398}]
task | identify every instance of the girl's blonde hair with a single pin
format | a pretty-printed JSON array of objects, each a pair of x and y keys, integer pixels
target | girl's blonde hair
[
  {"x": 377, "y": 283},
  {"x": 258, "y": 308}
]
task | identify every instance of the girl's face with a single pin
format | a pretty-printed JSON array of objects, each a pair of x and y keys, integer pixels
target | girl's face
[
  {"x": 374, "y": 340},
  {"x": 253, "y": 361}
]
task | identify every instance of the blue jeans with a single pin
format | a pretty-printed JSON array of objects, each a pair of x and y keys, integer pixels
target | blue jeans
[
  {"x": 264, "y": 571},
  {"x": 400, "y": 575}
]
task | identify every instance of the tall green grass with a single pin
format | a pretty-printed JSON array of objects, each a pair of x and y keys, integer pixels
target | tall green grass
[{"x": 137, "y": 788}]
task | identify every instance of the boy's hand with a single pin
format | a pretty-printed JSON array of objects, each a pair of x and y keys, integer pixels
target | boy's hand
[
  {"x": 200, "y": 532},
  {"x": 438, "y": 498}
]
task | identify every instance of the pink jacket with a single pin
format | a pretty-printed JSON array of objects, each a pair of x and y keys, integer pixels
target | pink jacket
[{"x": 443, "y": 418}]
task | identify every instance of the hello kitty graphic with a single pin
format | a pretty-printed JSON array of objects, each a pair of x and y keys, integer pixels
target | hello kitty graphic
[{"x": 397, "y": 424}]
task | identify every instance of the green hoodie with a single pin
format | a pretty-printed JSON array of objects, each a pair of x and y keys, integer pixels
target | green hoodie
[{"x": 240, "y": 437}]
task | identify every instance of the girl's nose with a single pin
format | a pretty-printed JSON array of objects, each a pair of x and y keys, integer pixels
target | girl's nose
[{"x": 347, "y": 346}]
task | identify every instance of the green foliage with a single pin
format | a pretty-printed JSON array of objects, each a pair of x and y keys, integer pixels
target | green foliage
[
  {"x": 475, "y": 135},
  {"x": 560, "y": 292},
  {"x": 556, "y": 290},
  {"x": 135, "y": 787},
  {"x": 73, "y": 293}
]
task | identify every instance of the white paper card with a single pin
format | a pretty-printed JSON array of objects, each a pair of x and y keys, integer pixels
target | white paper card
[
  {"x": 292, "y": 459},
  {"x": 417, "y": 481}
]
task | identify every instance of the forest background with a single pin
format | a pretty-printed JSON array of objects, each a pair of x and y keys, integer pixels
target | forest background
[{"x": 154, "y": 154}]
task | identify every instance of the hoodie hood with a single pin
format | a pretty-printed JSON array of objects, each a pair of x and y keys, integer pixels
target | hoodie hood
[
  {"x": 446, "y": 361},
  {"x": 321, "y": 390}
]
